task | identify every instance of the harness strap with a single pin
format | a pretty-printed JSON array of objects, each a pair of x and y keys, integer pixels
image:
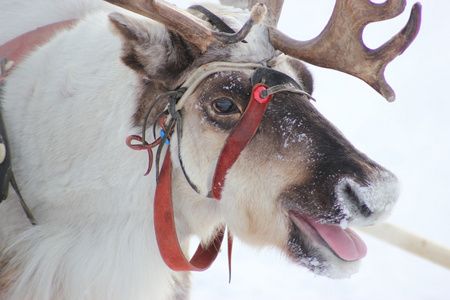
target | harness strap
[
  {"x": 25, "y": 207},
  {"x": 213, "y": 19},
  {"x": 240, "y": 137},
  {"x": 164, "y": 219},
  {"x": 7, "y": 176},
  {"x": 17, "y": 49},
  {"x": 11, "y": 54},
  {"x": 166, "y": 235},
  {"x": 265, "y": 83}
]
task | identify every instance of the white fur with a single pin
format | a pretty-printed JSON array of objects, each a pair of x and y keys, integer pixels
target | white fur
[
  {"x": 68, "y": 109},
  {"x": 39, "y": 13},
  {"x": 67, "y": 127}
]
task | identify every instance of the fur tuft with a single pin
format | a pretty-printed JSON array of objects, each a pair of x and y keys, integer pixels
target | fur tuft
[{"x": 258, "y": 12}]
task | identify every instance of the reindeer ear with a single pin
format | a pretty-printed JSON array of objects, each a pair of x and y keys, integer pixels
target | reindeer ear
[{"x": 152, "y": 50}]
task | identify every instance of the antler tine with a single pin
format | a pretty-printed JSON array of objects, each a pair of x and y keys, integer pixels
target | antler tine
[
  {"x": 173, "y": 18},
  {"x": 188, "y": 26},
  {"x": 274, "y": 8},
  {"x": 340, "y": 44}
]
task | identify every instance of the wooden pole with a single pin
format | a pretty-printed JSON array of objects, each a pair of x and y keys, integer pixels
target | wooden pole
[{"x": 410, "y": 242}]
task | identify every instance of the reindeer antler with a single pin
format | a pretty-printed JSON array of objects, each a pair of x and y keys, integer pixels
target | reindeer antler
[
  {"x": 340, "y": 44},
  {"x": 274, "y": 8},
  {"x": 188, "y": 26}
]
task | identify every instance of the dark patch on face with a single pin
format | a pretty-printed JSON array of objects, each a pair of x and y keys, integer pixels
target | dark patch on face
[
  {"x": 294, "y": 129},
  {"x": 236, "y": 86},
  {"x": 233, "y": 85},
  {"x": 315, "y": 198}
]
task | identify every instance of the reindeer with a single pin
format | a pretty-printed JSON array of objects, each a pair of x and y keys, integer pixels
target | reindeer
[{"x": 219, "y": 103}]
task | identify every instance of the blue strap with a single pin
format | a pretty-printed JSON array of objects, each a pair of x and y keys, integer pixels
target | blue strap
[{"x": 162, "y": 134}]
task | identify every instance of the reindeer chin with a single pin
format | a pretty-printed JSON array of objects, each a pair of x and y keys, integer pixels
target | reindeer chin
[{"x": 325, "y": 249}]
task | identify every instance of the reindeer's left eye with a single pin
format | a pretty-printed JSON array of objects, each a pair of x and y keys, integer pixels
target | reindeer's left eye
[{"x": 225, "y": 106}]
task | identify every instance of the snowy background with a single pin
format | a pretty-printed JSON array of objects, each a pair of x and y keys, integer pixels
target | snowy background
[{"x": 410, "y": 137}]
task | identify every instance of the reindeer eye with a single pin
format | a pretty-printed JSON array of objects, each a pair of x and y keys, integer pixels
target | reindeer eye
[{"x": 225, "y": 106}]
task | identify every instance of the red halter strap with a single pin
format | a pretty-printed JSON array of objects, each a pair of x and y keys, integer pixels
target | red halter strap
[
  {"x": 166, "y": 236},
  {"x": 240, "y": 137}
]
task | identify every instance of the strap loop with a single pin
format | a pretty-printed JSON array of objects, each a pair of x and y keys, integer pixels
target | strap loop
[
  {"x": 166, "y": 235},
  {"x": 143, "y": 145}
]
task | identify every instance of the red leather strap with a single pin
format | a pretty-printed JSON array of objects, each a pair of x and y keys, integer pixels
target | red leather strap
[
  {"x": 17, "y": 49},
  {"x": 240, "y": 137},
  {"x": 230, "y": 250},
  {"x": 143, "y": 145},
  {"x": 166, "y": 235}
]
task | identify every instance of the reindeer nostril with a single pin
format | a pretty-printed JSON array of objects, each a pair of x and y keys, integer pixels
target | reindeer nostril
[
  {"x": 353, "y": 197},
  {"x": 365, "y": 210}
]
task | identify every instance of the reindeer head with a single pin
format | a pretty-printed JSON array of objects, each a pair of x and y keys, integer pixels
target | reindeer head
[{"x": 298, "y": 183}]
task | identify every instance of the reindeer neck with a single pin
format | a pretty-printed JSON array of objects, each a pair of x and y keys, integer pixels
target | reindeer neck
[{"x": 14, "y": 51}]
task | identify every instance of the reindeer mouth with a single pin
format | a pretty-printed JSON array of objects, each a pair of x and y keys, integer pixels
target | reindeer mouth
[{"x": 343, "y": 243}]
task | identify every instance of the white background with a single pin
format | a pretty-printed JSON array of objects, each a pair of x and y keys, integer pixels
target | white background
[{"x": 410, "y": 137}]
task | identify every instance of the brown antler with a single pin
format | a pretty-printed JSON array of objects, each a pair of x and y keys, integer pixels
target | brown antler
[
  {"x": 340, "y": 44},
  {"x": 189, "y": 27},
  {"x": 273, "y": 8}
]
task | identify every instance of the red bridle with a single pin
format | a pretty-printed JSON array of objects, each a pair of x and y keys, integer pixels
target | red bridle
[
  {"x": 164, "y": 219},
  {"x": 167, "y": 239},
  {"x": 11, "y": 54}
]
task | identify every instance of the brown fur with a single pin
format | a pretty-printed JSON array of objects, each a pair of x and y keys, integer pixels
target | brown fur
[
  {"x": 293, "y": 163},
  {"x": 6, "y": 274},
  {"x": 149, "y": 91}
]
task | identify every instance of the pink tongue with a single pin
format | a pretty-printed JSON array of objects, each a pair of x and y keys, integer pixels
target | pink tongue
[{"x": 345, "y": 242}]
